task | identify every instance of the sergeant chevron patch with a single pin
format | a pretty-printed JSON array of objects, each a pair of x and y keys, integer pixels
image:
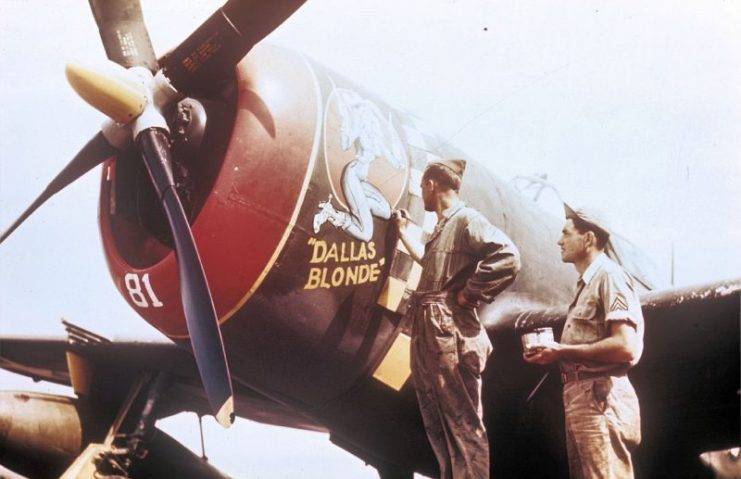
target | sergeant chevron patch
[{"x": 619, "y": 303}]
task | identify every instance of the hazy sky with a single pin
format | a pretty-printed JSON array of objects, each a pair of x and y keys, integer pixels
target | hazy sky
[{"x": 630, "y": 107}]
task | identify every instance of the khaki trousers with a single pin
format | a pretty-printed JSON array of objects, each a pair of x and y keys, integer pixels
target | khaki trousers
[
  {"x": 448, "y": 353},
  {"x": 603, "y": 426}
]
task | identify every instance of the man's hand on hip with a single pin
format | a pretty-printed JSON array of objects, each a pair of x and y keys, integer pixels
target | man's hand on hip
[{"x": 464, "y": 302}]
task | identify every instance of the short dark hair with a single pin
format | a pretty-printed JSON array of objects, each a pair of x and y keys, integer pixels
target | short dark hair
[
  {"x": 582, "y": 227},
  {"x": 443, "y": 176}
]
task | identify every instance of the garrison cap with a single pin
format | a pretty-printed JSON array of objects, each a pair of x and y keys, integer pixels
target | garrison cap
[
  {"x": 589, "y": 216},
  {"x": 457, "y": 166}
]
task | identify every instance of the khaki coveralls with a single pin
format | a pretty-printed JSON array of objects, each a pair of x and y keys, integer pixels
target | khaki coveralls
[
  {"x": 603, "y": 421},
  {"x": 449, "y": 345}
]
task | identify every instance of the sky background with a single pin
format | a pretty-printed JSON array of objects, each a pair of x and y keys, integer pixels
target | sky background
[{"x": 630, "y": 107}]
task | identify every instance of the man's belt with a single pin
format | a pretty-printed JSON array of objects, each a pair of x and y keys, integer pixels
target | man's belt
[
  {"x": 431, "y": 294},
  {"x": 420, "y": 297},
  {"x": 568, "y": 376}
]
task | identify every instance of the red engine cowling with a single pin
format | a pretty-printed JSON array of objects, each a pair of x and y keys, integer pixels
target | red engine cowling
[{"x": 297, "y": 307}]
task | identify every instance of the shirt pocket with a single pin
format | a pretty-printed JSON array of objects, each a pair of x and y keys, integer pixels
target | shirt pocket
[
  {"x": 586, "y": 323},
  {"x": 586, "y": 311}
]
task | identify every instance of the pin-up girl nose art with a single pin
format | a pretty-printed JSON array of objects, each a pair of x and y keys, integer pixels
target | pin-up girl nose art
[{"x": 373, "y": 137}]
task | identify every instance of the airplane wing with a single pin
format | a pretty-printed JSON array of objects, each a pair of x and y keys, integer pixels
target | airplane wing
[
  {"x": 117, "y": 363},
  {"x": 687, "y": 384},
  {"x": 104, "y": 373}
]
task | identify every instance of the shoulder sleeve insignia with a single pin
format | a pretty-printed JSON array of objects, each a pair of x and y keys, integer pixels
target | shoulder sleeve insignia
[{"x": 619, "y": 303}]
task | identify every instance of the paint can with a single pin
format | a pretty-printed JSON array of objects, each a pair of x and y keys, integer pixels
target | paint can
[{"x": 536, "y": 339}]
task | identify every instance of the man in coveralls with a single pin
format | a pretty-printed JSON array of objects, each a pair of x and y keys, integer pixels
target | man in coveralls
[
  {"x": 602, "y": 339},
  {"x": 465, "y": 261}
]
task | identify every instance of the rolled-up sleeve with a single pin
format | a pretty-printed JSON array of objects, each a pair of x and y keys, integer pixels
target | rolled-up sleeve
[{"x": 499, "y": 264}]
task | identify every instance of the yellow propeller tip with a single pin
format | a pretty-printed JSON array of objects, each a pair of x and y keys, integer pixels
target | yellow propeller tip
[{"x": 225, "y": 414}]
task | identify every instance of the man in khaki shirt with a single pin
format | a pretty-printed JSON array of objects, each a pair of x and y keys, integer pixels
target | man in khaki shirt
[
  {"x": 601, "y": 340},
  {"x": 465, "y": 261}
]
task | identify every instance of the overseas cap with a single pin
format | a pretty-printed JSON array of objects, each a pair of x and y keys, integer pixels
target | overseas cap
[
  {"x": 589, "y": 216},
  {"x": 457, "y": 166}
]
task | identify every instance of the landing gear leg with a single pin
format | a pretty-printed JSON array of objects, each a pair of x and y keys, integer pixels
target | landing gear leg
[{"x": 120, "y": 451}]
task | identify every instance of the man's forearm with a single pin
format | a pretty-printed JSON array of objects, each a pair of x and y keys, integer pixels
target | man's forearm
[
  {"x": 609, "y": 350},
  {"x": 493, "y": 274},
  {"x": 416, "y": 249}
]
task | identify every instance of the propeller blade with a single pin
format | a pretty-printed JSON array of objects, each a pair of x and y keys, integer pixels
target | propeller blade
[
  {"x": 92, "y": 154},
  {"x": 124, "y": 35},
  {"x": 212, "y": 51},
  {"x": 200, "y": 314},
  {"x": 114, "y": 93}
]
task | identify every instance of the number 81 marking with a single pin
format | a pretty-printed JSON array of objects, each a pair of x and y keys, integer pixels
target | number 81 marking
[{"x": 138, "y": 297}]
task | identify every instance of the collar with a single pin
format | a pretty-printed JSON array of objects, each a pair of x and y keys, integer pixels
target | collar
[
  {"x": 453, "y": 209},
  {"x": 447, "y": 214},
  {"x": 593, "y": 267}
]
